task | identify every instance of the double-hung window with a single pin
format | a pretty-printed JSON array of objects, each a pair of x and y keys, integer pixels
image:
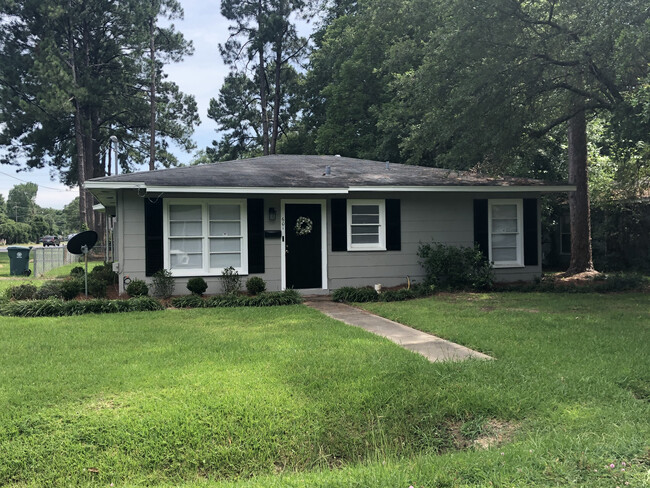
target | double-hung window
[
  {"x": 366, "y": 225},
  {"x": 505, "y": 232},
  {"x": 202, "y": 237}
]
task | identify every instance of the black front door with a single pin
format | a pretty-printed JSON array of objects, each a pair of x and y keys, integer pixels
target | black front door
[{"x": 303, "y": 245}]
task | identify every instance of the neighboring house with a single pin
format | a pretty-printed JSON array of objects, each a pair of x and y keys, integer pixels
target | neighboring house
[{"x": 317, "y": 223}]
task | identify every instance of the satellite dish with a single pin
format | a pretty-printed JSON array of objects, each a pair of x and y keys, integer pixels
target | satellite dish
[
  {"x": 77, "y": 243},
  {"x": 82, "y": 243}
]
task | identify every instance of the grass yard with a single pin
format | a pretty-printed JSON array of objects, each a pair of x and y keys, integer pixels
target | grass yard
[{"x": 281, "y": 396}]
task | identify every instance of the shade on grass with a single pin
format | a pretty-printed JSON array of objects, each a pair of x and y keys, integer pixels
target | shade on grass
[{"x": 197, "y": 396}]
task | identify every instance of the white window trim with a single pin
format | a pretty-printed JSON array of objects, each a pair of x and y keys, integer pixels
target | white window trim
[
  {"x": 519, "y": 263},
  {"x": 205, "y": 216},
  {"x": 381, "y": 245}
]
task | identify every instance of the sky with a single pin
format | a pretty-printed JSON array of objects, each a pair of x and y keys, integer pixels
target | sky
[{"x": 200, "y": 75}]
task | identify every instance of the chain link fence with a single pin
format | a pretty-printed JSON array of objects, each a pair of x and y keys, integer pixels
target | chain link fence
[{"x": 47, "y": 258}]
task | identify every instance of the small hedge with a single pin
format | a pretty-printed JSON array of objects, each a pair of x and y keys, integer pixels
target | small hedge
[
  {"x": 455, "y": 268},
  {"x": 188, "y": 301},
  {"x": 137, "y": 288},
  {"x": 368, "y": 294},
  {"x": 25, "y": 291},
  {"x": 54, "y": 307},
  {"x": 266, "y": 299},
  {"x": 197, "y": 285}
]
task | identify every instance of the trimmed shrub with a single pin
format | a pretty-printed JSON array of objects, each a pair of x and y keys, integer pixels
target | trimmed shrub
[
  {"x": 265, "y": 299},
  {"x": 77, "y": 272},
  {"x": 351, "y": 294},
  {"x": 26, "y": 291},
  {"x": 188, "y": 301},
  {"x": 137, "y": 288},
  {"x": 255, "y": 285},
  {"x": 96, "y": 287},
  {"x": 455, "y": 268},
  {"x": 197, "y": 285},
  {"x": 162, "y": 284},
  {"x": 54, "y": 307},
  {"x": 71, "y": 288},
  {"x": 104, "y": 273},
  {"x": 230, "y": 280},
  {"x": 49, "y": 289}
]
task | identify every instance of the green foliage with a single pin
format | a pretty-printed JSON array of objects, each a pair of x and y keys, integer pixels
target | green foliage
[
  {"x": 54, "y": 307},
  {"x": 25, "y": 291},
  {"x": 21, "y": 201},
  {"x": 255, "y": 285},
  {"x": 49, "y": 289},
  {"x": 188, "y": 301},
  {"x": 368, "y": 294},
  {"x": 14, "y": 233},
  {"x": 230, "y": 280},
  {"x": 455, "y": 268},
  {"x": 70, "y": 288},
  {"x": 103, "y": 273},
  {"x": 197, "y": 285},
  {"x": 162, "y": 284},
  {"x": 96, "y": 287},
  {"x": 351, "y": 294},
  {"x": 77, "y": 272},
  {"x": 264, "y": 299},
  {"x": 89, "y": 64},
  {"x": 137, "y": 288}
]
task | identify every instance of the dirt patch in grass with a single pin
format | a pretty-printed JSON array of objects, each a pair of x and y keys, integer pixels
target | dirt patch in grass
[{"x": 482, "y": 434}]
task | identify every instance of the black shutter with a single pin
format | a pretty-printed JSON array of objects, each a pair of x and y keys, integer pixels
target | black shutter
[
  {"x": 481, "y": 226},
  {"x": 339, "y": 224},
  {"x": 530, "y": 232},
  {"x": 255, "y": 235},
  {"x": 393, "y": 225},
  {"x": 153, "y": 236}
]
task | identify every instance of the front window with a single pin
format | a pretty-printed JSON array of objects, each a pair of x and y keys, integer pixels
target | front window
[
  {"x": 205, "y": 236},
  {"x": 505, "y": 231},
  {"x": 366, "y": 225}
]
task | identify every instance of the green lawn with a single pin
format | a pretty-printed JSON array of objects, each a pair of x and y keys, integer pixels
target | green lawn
[{"x": 281, "y": 396}]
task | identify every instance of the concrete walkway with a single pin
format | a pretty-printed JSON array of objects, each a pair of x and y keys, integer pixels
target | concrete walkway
[{"x": 431, "y": 347}]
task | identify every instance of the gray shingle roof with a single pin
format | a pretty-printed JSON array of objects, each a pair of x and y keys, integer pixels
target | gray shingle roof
[{"x": 294, "y": 171}]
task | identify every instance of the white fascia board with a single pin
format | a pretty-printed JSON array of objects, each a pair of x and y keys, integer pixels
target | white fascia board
[
  {"x": 253, "y": 189},
  {"x": 465, "y": 189},
  {"x": 99, "y": 208},
  {"x": 113, "y": 185}
]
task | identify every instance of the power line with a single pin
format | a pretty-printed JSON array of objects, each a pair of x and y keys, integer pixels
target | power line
[{"x": 40, "y": 186}]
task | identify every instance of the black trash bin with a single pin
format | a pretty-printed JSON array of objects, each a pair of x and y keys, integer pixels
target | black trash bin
[{"x": 19, "y": 260}]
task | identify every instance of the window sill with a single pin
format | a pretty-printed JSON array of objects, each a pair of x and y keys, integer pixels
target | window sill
[
  {"x": 357, "y": 249},
  {"x": 507, "y": 265},
  {"x": 190, "y": 273}
]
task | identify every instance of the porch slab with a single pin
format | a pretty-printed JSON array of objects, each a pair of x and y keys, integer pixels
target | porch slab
[{"x": 431, "y": 347}]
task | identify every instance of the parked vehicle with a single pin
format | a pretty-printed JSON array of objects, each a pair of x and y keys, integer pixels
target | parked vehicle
[{"x": 50, "y": 240}]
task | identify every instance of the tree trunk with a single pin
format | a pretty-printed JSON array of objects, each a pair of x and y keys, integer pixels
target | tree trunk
[
  {"x": 152, "y": 96},
  {"x": 78, "y": 129},
  {"x": 277, "y": 96},
  {"x": 262, "y": 81},
  {"x": 581, "y": 259}
]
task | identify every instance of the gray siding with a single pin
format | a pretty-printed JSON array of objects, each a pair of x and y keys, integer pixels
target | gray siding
[{"x": 425, "y": 217}]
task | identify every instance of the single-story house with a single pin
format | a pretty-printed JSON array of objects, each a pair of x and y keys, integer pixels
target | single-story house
[{"x": 317, "y": 223}]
